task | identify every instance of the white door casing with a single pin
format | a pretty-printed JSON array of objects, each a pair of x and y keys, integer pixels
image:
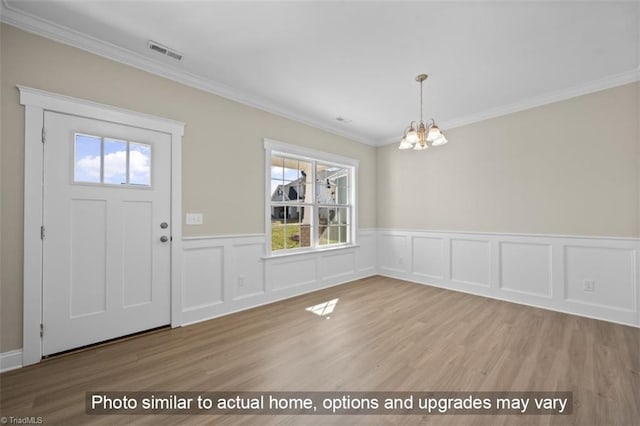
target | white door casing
[
  {"x": 36, "y": 103},
  {"x": 106, "y": 272}
]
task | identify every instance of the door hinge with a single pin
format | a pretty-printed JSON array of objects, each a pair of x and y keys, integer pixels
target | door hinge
[
  {"x": 42, "y": 232},
  {"x": 44, "y": 135},
  {"x": 41, "y": 329}
]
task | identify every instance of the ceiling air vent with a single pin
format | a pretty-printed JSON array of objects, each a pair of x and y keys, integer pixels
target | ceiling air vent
[{"x": 164, "y": 50}]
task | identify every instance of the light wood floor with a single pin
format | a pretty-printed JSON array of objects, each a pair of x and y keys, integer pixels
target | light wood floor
[{"x": 384, "y": 335}]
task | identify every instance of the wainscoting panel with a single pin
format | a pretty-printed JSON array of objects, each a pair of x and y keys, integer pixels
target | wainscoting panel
[
  {"x": 393, "y": 251},
  {"x": 470, "y": 261},
  {"x": 588, "y": 276},
  {"x": 337, "y": 265},
  {"x": 428, "y": 257},
  {"x": 203, "y": 278},
  {"x": 292, "y": 271},
  {"x": 225, "y": 274},
  {"x": 248, "y": 270},
  {"x": 525, "y": 268},
  {"x": 366, "y": 253},
  {"x": 610, "y": 269}
]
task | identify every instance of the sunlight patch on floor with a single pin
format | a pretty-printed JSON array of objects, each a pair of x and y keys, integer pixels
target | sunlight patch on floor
[{"x": 323, "y": 309}]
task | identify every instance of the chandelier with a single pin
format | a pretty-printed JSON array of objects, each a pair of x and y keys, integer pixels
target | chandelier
[{"x": 421, "y": 135}]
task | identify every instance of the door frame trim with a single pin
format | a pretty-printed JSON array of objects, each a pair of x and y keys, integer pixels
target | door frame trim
[{"x": 36, "y": 102}]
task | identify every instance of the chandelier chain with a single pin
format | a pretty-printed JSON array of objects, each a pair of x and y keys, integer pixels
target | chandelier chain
[{"x": 421, "y": 101}]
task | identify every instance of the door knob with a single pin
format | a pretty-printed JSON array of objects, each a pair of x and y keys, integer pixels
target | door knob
[
  {"x": 164, "y": 238},
  {"x": 164, "y": 225}
]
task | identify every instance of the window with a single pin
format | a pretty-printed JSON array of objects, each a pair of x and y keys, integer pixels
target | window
[
  {"x": 102, "y": 160},
  {"x": 310, "y": 198}
]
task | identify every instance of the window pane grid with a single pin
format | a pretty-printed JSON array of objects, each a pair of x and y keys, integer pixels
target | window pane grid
[{"x": 109, "y": 161}]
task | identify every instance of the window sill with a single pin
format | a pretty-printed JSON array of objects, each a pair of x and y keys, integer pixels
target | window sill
[{"x": 310, "y": 251}]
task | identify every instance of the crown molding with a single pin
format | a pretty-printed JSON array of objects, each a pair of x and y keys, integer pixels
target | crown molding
[
  {"x": 547, "y": 98},
  {"x": 65, "y": 35},
  {"x": 59, "y": 33}
]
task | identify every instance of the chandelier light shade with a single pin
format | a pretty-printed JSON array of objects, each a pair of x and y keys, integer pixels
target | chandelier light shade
[{"x": 421, "y": 135}]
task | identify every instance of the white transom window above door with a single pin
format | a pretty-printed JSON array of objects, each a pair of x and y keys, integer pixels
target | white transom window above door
[{"x": 111, "y": 161}]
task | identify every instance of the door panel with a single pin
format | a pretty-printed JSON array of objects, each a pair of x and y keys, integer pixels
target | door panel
[
  {"x": 106, "y": 273},
  {"x": 137, "y": 256},
  {"x": 87, "y": 281}
]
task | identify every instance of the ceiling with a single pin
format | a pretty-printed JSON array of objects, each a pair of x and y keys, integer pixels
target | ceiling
[{"x": 316, "y": 61}]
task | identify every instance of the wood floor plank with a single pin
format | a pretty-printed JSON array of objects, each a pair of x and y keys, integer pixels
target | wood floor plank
[{"x": 384, "y": 335}]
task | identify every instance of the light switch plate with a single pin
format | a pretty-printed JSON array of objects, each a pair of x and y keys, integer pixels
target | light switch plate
[{"x": 194, "y": 219}]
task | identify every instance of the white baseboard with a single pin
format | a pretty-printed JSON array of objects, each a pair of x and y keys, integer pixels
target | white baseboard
[
  {"x": 10, "y": 360},
  {"x": 544, "y": 271}
]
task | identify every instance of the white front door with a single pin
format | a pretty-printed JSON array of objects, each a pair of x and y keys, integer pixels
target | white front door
[{"x": 106, "y": 244}]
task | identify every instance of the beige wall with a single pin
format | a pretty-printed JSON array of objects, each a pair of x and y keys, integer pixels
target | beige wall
[
  {"x": 223, "y": 166},
  {"x": 569, "y": 168}
]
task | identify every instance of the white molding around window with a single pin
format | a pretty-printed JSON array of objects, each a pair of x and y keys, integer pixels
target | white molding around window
[
  {"x": 301, "y": 151},
  {"x": 36, "y": 102},
  {"x": 315, "y": 157}
]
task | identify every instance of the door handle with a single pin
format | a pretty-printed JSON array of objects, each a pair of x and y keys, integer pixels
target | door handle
[
  {"x": 164, "y": 239},
  {"x": 164, "y": 225}
]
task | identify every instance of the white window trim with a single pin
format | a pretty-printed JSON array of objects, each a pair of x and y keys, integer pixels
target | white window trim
[
  {"x": 272, "y": 146},
  {"x": 36, "y": 102}
]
